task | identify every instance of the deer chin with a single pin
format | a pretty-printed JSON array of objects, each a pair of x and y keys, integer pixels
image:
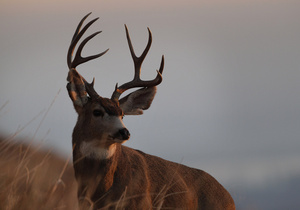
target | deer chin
[
  {"x": 95, "y": 150},
  {"x": 116, "y": 139}
]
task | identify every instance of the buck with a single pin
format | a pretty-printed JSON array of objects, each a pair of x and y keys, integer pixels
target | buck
[{"x": 112, "y": 176}]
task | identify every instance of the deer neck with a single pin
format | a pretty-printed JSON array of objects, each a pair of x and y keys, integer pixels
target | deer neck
[
  {"x": 95, "y": 174},
  {"x": 91, "y": 156}
]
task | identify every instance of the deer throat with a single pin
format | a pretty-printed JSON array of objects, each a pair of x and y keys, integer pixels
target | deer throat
[{"x": 93, "y": 150}]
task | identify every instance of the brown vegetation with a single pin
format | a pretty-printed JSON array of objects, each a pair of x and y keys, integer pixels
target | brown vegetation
[{"x": 31, "y": 178}]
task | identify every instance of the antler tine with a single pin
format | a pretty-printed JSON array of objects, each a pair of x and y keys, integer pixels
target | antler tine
[
  {"x": 90, "y": 88},
  {"x": 79, "y": 59},
  {"x": 138, "y": 60},
  {"x": 137, "y": 82},
  {"x": 76, "y": 37},
  {"x": 79, "y": 27},
  {"x": 162, "y": 64}
]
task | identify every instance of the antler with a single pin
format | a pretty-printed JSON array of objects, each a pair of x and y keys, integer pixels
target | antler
[
  {"x": 137, "y": 82},
  {"x": 78, "y": 86},
  {"x": 78, "y": 59}
]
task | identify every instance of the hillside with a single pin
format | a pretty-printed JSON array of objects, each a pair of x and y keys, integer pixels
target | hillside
[{"x": 31, "y": 178}]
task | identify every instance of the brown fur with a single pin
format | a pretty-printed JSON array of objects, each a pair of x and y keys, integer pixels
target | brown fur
[{"x": 132, "y": 179}]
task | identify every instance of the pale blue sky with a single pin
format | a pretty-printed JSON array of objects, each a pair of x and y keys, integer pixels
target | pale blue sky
[{"x": 229, "y": 102}]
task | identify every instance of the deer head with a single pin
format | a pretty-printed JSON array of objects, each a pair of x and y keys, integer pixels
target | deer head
[{"x": 99, "y": 123}]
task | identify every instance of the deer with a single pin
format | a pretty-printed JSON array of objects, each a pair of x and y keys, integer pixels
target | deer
[{"x": 110, "y": 175}]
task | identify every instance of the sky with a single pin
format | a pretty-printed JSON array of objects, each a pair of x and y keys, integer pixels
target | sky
[{"x": 229, "y": 101}]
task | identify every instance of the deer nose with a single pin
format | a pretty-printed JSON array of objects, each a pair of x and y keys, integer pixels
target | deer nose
[{"x": 124, "y": 133}]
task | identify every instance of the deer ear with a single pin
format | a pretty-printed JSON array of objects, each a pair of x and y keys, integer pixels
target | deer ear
[
  {"x": 137, "y": 101},
  {"x": 76, "y": 89}
]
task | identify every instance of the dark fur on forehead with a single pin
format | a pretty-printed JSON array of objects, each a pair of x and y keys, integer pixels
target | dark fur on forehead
[{"x": 111, "y": 107}]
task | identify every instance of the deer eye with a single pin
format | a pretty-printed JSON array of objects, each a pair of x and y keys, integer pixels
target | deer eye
[{"x": 98, "y": 113}]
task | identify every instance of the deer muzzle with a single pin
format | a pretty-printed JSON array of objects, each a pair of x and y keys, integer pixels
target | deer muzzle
[{"x": 122, "y": 134}]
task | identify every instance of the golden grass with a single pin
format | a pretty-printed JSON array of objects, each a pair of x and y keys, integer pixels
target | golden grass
[{"x": 31, "y": 178}]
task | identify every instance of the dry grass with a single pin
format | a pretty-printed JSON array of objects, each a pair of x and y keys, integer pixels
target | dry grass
[{"x": 31, "y": 178}]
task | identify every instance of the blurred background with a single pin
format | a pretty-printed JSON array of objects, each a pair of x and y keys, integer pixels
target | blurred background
[{"x": 229, "y": 102}]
